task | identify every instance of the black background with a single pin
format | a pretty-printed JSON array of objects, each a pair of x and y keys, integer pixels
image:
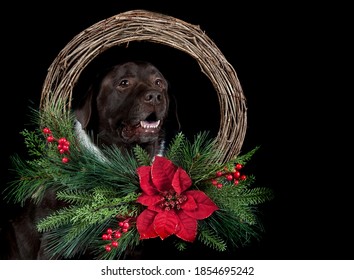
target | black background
[{"x": 283, "y": 57}]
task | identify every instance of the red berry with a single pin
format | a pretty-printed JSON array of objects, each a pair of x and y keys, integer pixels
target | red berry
[
  {"x": 120, "y": 224},
  {"x": 236, "y": 182},
  {"x": 219, "y": 173},
  {"x": 243, "y": 177},
  {"x": 114, "y": 244},
  {"x": 219, "y": 185},
  {"x": 66, "y": 148},
  {"x": 126, "y": 225},
  {"x": 214, "y": 182},
  {"x": 117, "y": 235},
  {"x": 105, "y": 237},
  {"x": 108, "y": 248},
  {"x": 65, "y": 160},
  {"x": 46, "y": 130},
  {"x": 50, "y": 138},
  {"x": 62, "y": 140},
  {"x": 229, "y": 177},
  {"x": 109, "y": 231},
  {"x": 239, "y": 166},
  {"x": 237, "y": 174}
]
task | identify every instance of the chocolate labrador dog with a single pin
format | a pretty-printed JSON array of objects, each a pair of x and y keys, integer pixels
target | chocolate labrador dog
[{"x": 127, "y": 107}]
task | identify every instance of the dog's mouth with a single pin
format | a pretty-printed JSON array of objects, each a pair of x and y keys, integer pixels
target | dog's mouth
[
  {"x": 148, "y": 126},
  {"x": 144, "y": 130}
]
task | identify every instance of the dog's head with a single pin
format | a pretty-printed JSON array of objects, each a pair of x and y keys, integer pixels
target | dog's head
[{"x": 129, "y": 106}]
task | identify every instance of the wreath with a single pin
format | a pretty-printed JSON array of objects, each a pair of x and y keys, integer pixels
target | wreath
[
  {"x": 198, "y": 191},
  {"x": 115, "y": 200}
]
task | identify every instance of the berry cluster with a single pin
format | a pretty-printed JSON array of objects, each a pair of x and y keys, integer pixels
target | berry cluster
[
  {"x": 63, "y": 143},
  {"x": 113, "y": 235},
  {"x": 229, "y": 175}
]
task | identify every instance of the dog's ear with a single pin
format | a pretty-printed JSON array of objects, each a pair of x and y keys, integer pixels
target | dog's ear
[{"x": 84, "y": 110}]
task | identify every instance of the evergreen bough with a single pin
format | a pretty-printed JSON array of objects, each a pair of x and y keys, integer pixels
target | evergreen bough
[{"x": 98, "y": 189}]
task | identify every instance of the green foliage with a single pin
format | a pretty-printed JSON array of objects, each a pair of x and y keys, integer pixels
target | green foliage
[
  {"x": 87, "y": 210},
  {"x": 174, "y": 150},
  {"x": 238, "y": 199},
  {"x": 230, "y": 229},
  {"x": 141, "y": 156},
  {"x": 33, "y": 179},
  {"x": 195, "y": 157},
  {"x": 180, "y": 245},
  {"x": 33, "y": 142},
  {"x": 211, "y": 238},
  {"x": 98, "y": 188}
]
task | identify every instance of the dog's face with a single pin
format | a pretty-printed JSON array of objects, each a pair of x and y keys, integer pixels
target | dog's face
[{"x": 131, "y": 105}]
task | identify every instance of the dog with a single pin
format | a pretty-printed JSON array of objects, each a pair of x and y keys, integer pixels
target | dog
[{"x": 128, "y": 106}]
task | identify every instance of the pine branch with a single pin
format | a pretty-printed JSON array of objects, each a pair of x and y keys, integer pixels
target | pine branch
[
  {"x": 30, "y": 181},
  {"x": 255, "y": 196},
  {"x": 59, "y": 121},
  {"x": 99, "y": 209},
  {"x": 33, "y": 142},
  {"x": 78, "y": 226},
  {"x": 230, "y": 229},
  {"x": 102, "y": 209},
  {"x": 211, "y": 238},
  {"x": 243, "y": 213},
  {"x": 196, "y": 157},
  {"x": 59, "y": 245},
  {"x": 180, "y": 245},
  {"x": 173, "y": 151},
  {"x": 245, "y": 158},
  {"x": 87, "y": 171},
  {"x": 141, "y": 155},
  {"x": 75, "y": 197},
  {"x": 57, "y": 219},
  {"x": 238, "y": 200}
]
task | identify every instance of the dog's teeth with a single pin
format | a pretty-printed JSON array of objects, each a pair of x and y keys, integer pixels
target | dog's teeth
[{"x": 146, "y": 124}]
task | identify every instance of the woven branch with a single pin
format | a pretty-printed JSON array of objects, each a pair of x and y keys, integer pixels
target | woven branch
[{"x": 141, "y": 25}]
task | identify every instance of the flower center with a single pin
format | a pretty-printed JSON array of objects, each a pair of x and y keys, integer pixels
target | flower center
[{"x": 172, "y": 200}]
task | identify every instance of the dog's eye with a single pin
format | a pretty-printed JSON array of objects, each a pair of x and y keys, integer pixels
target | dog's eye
[
  {"x": 124, "y": 83},
  {"x": 159, "y": 83}
]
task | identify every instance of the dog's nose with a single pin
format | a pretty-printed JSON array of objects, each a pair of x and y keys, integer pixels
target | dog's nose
[{"x": 153, "y": 97}]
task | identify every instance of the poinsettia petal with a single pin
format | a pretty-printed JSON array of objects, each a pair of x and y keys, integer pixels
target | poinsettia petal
[
  {"x": 165, "y": 223},
  {"x": 187, "y": 227},
  {"x": 162, "y": 171},
  {"x": 148, "y": 200},
  {"x": 205, "y": 208},
  {"x": 146, "y": 184},
  {"x": 156, "y": 207},
  {"x": 144, "y": 224},
  {"x": 190, "y": 203},
  {"x": 181, "y": 180}
]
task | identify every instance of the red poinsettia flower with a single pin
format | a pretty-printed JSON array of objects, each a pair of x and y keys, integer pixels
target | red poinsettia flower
[{"x": 171, "y": 207}]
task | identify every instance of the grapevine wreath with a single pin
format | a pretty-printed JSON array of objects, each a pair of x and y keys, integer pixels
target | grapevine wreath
[{"x": 196, "y": 191}]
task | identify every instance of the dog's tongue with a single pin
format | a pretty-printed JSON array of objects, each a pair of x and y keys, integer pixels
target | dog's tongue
[{"x": 146, "y": 124}]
